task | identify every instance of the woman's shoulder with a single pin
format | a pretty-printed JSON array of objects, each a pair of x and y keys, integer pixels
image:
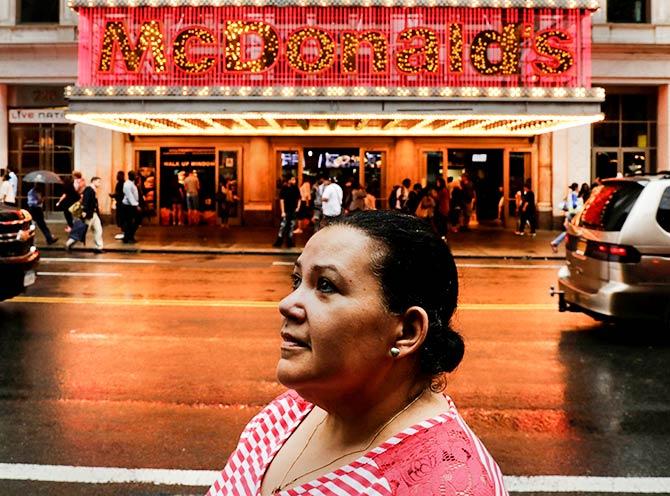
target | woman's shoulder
[{"x": 441, "y": 450}]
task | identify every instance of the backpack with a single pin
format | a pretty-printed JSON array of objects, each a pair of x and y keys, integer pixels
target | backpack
[{"x": 393, "y": 197}]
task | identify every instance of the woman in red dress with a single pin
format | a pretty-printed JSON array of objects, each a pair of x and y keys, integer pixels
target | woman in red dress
[{"x": 366, "y": 344}]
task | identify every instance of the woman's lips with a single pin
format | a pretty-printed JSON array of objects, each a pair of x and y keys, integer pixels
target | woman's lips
[{"x": 290, "y": 341}]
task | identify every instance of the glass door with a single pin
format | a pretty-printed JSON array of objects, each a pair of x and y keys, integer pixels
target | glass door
[
  {"x": 434, "y": 165},
  {"x": 228, "y": 177},
  {"x": 519, "y": 172},
  {"x": 373, "y": 175}
]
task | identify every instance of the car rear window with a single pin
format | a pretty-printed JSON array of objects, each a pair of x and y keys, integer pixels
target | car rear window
[
  {"x": 663, "y": 213},
  {"x": 609, "y": 205}
]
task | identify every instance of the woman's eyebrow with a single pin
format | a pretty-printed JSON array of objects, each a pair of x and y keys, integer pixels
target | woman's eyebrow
[{"x": 321, "y": 268}]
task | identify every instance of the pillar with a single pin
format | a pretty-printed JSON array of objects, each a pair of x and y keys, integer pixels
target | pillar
[
  {"x": 663, "y": 150},
  {"x": 93, "y": 157},
  {"x": 259, "y": 177},
  {"x": 4, "y": 128},
  {"x": 544, "y": 181},
  {"x": 571, "y": 163},
  {"x": 404, "y": 164}
]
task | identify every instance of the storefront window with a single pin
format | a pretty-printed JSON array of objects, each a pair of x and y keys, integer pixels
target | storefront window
[
  {"x": 434, "y": 166},
  {"x": 289, "y": 161},
  {"x": 342, "y": 164},
  {"x": 175, "y": 165},
  {"x": 146, "y": 170},
  {"x": 38, "y": 11},
  {"x": 228, "y": 172},
  {"x": 635, "y": 11},
  {"x": 41, "y": 147},
  {"x": 625, "y": 142}
]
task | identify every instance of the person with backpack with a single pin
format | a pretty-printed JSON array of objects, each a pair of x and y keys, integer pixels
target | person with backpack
[
  {"x": 399, "y": 194},
  {"x": 569, "y": 206}
]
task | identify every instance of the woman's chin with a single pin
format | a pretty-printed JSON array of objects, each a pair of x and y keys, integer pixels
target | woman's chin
[{"x": 290, "y": 374}]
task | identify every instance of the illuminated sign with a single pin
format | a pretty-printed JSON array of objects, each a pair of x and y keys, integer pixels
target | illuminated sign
[{"x": 334, "y": 46}]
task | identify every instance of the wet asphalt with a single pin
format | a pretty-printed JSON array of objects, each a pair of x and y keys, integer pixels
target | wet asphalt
[{"x": 89, "y": 379}]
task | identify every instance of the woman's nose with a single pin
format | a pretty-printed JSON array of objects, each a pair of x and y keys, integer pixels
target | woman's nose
[{"x": 291, "y": 307}]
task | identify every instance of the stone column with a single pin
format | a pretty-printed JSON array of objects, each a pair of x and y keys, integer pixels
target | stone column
[
  {"x": 571, "y": 159},
  {"x": 543, "y": 180},
  {"x": 93, "y": 156},
  {"x": 259, "y": 177},
  {"x": 663, "y": 150},
  {"x": 4, "y": 128},
  {"x": 404, "y": 165}
]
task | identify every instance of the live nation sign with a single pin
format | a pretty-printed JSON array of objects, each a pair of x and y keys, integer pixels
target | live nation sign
[{"x": 334, "y": 46}]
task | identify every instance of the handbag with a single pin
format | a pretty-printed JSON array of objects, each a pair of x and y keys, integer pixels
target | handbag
[{"x": 76, "y": 209}]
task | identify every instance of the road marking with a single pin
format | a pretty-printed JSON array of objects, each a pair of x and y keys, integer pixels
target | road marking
[
  {"x": 474, "y": 265},
  {"x": 507, "y": 266},
  {"x": 174, "y": 477},
  {"x": 144, "y": 302},
  {"x": 133, "y": 261},
  {"x": 80, "y": 274}
]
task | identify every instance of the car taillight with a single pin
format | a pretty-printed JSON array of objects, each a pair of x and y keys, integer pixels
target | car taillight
[{"x": 612, "y": 253}]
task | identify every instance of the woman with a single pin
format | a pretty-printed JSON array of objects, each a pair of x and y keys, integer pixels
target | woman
[
  {"x": 365, "y": 345},
  {"x": 224, "y": 206},
  {"x": 358, "y": 195}
]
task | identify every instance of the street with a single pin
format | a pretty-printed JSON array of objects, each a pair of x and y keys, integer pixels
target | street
[{"x": 158, "y": 362}]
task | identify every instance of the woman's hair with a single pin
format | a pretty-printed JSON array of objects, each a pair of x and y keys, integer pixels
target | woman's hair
[{"x": 415, "y": 267}]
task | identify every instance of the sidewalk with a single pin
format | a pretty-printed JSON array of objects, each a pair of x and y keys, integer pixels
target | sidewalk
[{"x": 480, "y": 242}]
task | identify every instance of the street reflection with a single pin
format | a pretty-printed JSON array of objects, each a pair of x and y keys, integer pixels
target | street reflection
[{"x": 616, "y": 384}]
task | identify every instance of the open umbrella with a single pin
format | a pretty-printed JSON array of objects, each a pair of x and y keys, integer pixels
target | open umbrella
[{"x": 42, "y": 176}]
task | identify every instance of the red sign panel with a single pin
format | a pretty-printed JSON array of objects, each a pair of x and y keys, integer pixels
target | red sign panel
[{"x": 334, "y": 46}]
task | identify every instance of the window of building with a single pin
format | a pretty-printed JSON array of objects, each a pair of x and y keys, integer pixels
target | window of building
[
  {"x": 634, "y": 11},
  {"x": 41, "y": 147},
  {"x": 38, "y": 11},
  {"x": 663, "y": 214},
  {"x": 625, "y": 142}
]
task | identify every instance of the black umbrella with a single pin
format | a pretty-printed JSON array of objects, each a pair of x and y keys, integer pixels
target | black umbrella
[{"x": 42, "y": 176}]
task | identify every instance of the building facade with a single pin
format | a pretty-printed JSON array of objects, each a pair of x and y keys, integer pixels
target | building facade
[{"x": 353, "y": 109}]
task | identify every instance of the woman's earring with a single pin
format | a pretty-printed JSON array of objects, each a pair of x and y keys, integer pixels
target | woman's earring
[{"x": 395, "y": 352}]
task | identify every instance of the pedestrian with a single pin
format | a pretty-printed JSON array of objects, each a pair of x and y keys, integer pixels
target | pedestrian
[
  {"x": 346, "y": 194},
  {"x": 456, "y": 204},
  {"x": 358, "y": 195},
  {"x": 370, "y": 201},
  {"x": 131, "y": 209},
  {"x": 178, "y": 198},
  {"x": 399, "y": 195},
  {"x": 317, "y": 191},
  {"x": 66, "y": 200},
  {"x": 528, "y": 210},
  {"x": 192, "y": 187},
  {"x": 36, "y": 209},
  {"x": 90, "y": 216},
  {"x": 569, "y": 207},
  {"x": 584, "y": 192},
  {"x": 366, "y": 343},
  {"x": 443, "y": 204},
  {"x": 331, "y": 201},
  {"x": 413, "y": 198},
  {"x": 469, "y": 199},
  {"x": 14, "y": 181},
  {"x": 426, "y": 208},
  {"x": 7, "y": 196},
  {"x": 117, "y": 196},
  {"x": 304, "y": 215},
  {"x": 289, "y": 203},
  {"x": 223, "y": 198}
]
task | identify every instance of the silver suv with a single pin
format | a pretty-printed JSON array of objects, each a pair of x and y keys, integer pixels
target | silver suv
[{"x": 618, "y": 252}]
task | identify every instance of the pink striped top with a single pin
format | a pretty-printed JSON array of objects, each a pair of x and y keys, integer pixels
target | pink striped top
[{"x": 439, "y": 456}]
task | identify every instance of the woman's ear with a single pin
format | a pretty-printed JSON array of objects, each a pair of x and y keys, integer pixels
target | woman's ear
[{"x": 414, "y": 331}]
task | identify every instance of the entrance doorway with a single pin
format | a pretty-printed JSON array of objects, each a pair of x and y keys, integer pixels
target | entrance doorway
[
  {"x": 176, "y": 163},
  {"x": 228, "y": 175},
  {"x": 485, "y": 168}
]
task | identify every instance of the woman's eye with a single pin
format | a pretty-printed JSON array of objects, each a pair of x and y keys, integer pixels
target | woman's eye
[
  {"x": 295, "y": 281},
  {"x": 325, "y": 286}
]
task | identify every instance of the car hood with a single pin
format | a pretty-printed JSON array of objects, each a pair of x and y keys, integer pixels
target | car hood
[{"x": 8, "y": 214}]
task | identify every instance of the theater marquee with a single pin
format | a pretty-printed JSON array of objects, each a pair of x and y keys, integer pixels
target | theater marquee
[{"x": 355, "y": 49}]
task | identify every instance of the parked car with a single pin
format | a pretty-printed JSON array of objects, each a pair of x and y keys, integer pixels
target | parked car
[
  {"x": 18, "y": 253},
  {"x": 618, "y": 252}
]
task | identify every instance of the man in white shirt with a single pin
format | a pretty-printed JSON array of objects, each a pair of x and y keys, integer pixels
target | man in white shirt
[
  {"x": 331, "y": 201},
  {"x": 131, "y": 208},
  {"x": 14, "y": 181},
  {"x": 7, "y": 195}
]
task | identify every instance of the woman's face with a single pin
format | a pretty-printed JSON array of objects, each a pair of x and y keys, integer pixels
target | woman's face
[{"x": 336, "y": 333}]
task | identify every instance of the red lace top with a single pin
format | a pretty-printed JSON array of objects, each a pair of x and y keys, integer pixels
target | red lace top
[{"x": 440, "y": 456}]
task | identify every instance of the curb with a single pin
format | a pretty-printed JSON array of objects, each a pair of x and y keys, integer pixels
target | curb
[{"x": 274, "y": 251}]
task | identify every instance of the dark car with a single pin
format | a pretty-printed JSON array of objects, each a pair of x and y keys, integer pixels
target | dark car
[{"x": 18, "y": 253}]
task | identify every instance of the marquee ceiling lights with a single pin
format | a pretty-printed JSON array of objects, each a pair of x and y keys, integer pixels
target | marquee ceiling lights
[
  {"x": 491, "y": 93},
  {"x": 529, "y": 4},
  {"x": 300, "y": 124}
]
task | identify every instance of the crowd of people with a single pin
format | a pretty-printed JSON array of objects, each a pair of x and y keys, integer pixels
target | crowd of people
[{"x": 448, "y": 205}]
